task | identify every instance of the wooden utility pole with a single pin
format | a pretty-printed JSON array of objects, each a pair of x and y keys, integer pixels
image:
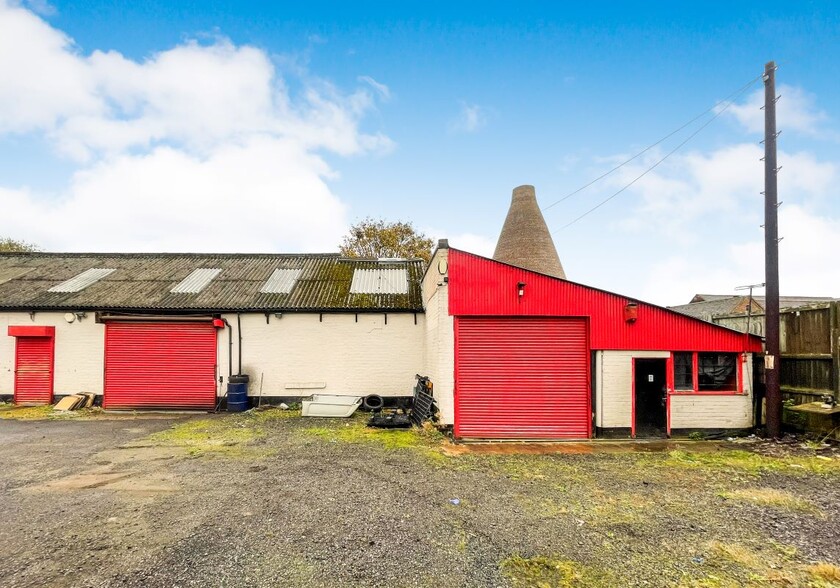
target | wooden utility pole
[{"x": 771, "y": 257}]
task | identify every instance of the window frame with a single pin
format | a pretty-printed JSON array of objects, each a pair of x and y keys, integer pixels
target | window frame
[{"x": 695, "y": 376}]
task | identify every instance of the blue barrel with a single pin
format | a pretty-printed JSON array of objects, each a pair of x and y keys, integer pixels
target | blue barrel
[{"x": 237, "y": 393}]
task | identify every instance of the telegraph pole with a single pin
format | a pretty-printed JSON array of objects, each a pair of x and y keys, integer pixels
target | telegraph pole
[{"x": 771, "y": 257}]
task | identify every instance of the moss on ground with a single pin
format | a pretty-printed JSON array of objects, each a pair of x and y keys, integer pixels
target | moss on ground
[
  {"x": 548, "y": 572},
  {"x": 737, "y": 565},
  {"x": 427, "y": 439},
  {"x": 224, "y": 434},
  {"x": 37, "y": 413},
  {"x": 771, "y": 497},
  {"x": 752, "y": 463}
]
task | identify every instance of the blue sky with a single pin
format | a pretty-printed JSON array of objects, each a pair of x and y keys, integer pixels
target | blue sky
[{"x": 233, "y": 126}]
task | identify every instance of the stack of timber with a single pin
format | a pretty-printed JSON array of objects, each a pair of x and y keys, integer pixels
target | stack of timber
[{"x": 75, "y": 401}]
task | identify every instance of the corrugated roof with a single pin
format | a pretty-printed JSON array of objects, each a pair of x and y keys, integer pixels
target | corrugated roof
[
  {"x": 281, "y": 281},
  {"x": 379, "y": 281},
  {"x": 143, "y": 282},
  {"x": 197, "y": 281},
  {"x": 707, "y": 306},
  {"x": 83, "y": 280}
]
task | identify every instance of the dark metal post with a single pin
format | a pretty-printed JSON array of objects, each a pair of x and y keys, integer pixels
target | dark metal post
[{"x": 771, "y": 257}]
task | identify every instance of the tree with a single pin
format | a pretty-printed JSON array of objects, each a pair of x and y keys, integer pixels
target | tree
[
  {"x": 9, "y": 245},
  {"x": 377, "y": 238}
]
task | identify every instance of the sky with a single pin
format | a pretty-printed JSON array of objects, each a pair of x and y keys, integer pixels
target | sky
[{"x": 270, "y": 127}]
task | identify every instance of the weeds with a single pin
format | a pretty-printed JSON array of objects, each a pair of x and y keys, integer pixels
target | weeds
[
  {"x": 751, "y": 463},
  {"x": 45, "y": 412},
  {"x": 224, "y": 434},
  {"x": 547, "y": 572},
  {"x": 771, "y": 497}
]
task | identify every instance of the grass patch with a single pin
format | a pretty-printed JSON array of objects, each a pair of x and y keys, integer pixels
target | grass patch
[
  {"x": 355, "y": 431},
  {"x": 46, "y": 412},
  {"x": 223, "y": 434},
  {"x": 547, "y": 572},
  {"x": 751, "y": 463},
  {"x": 272, "y": 413},
  {"x": 25, "y": 413},
  {"x": 734, "y": 565},
  {"x": 825, "y": 572},
  {"x": 771, "y": 497}
]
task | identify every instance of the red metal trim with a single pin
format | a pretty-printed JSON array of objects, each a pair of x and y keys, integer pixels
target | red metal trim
[
  {"x": 695, "y": 372},
  {"x": 28, "y": 386},
  {"x": 707, "y": 393},
  {"x": 669, "y": 390},
  {"x": 456, "y": 369},
  {"x": 31, "y": 331},
  {"x": 632, "y": 397},
  {"x": 589, "y": 432}
]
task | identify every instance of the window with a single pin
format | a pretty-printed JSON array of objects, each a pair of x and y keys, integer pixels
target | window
[
  {"x": 706, "y": 372},
  {"x": 716, "y": 372},
  {"x": 684, "y": 371}
]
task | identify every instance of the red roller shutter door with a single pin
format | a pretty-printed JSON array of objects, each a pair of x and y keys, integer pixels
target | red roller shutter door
[
  {"x": 160, "y": 365},
  {"x": 34, "y": 370},
  {"x": 522, "y": 378}
]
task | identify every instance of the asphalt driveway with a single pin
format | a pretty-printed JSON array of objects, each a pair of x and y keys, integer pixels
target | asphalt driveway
[{"x": 270, "y": 499}]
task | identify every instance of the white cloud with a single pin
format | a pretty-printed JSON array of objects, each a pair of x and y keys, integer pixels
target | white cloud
[
  {"x": 807, "y": 250},
  {"x": 383, "y": 90},
  {"x": 697, "y": 187},
  {"x": 796, "y": 111},
  {"x": 200, "y": 147},
  {"x": 471, "y": 118}
]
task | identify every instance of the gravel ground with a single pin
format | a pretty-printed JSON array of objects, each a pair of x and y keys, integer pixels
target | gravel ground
[{"x": 303, "y": 502}]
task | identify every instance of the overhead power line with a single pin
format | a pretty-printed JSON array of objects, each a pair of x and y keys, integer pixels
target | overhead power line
[
  {"x": 728, "y": 99},
  {"x": 666, "y": 156}
]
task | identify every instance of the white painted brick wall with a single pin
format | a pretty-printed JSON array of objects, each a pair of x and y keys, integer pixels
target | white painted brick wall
[
  {"x": 614, "y": 387},
  {"x": 335, "y": 356},
  {"x": 715, "y": 411},
  {"x": 79, "y": 352},
  {"x": 440, "y": 338}
]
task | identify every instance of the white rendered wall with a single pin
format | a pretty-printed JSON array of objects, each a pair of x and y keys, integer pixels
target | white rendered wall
[
  {"x": 303, "y": 354},
  {"x": 440, "y": 336},
  {"x": 614, "y": 393},
  {"x": 715, "y": 411},
  {"x": 79, "y": 352},
  {"x": 614, "y": 386}
]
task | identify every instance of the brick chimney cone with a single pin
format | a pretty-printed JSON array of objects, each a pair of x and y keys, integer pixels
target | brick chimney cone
[{"x": 525, "y": 241}]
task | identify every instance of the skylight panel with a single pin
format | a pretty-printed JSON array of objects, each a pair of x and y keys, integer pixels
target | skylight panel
[
  {"x": 281, "y": 281},
  {"x": 379, "y": 281},
  {"x": 196, "y": 281},
  {"x": 83, "y": 280}
]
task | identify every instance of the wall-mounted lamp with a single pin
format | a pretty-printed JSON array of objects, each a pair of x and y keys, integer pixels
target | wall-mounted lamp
[
  {"x": 631, "y": 312},
  {"x": 278, "y": 315},
  {"x": 520, "y": 289}
]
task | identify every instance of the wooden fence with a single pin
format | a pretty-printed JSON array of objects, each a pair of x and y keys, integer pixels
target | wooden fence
[{"x": 810, "y": 354}]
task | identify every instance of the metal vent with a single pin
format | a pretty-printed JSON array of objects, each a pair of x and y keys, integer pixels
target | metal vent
[
  {"x": 196, "y": 281},
  {"x": 82, "y": 281},
  {"x": 281, "y": 281},
  {"x": 379, "y": 281}
]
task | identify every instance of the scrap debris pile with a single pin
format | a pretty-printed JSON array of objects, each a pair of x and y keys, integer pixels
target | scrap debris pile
[{"x": 75, "y": 401}]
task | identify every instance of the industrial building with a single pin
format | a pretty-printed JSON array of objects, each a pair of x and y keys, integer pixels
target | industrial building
[{"x": 515, "y": 350}]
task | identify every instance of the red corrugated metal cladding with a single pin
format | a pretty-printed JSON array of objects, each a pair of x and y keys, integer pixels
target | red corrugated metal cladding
[
  {"x": 522, "y": 377},
  {"x": 483, "y": 287},
  {"x": 34, "y": 370},
  {"x": 160, "y": 365}
]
